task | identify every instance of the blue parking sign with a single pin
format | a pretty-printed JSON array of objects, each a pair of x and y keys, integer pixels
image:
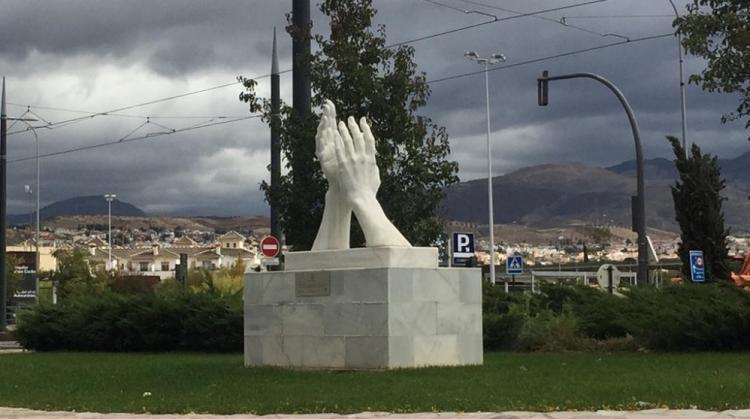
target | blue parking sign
[{"x": 697, "y": 266}]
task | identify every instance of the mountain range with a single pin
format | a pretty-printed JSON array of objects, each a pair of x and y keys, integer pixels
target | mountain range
[
  {"x": 561, "y": 194},
  {"x": 82, "y": 205},
  {"x": 547, "y": 195}
]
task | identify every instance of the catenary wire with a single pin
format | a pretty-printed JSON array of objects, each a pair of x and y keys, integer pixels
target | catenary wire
[
  {"x": 495, "y": 20},
  {"x": 67, "y": 122},
  {"x": 127, "y": 140},
  {"x": 440, "y": 80},
  {"x": 550, "y": 57}
]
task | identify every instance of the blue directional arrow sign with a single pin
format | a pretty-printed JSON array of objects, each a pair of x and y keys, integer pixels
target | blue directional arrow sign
[
  {"x": 514, "y": 265},
  {"x": 697, "y": 268}
]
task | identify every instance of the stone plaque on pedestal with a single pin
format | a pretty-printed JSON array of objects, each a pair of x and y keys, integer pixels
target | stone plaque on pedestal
[{"x": 379, "y": 315}]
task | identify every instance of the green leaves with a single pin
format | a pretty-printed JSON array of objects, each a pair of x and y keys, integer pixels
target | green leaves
[
  {"x": 697, "y": 204},
  {"x": 719, "y": 31},
  {"x": 353, "y": 68}
]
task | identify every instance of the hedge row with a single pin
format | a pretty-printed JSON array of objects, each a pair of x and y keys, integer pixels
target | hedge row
[
  {"x": 175, "y": 321},
  {"x": 673, "y": 318}
]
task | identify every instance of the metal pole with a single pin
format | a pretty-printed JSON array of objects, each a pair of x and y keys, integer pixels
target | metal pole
[
  {"x": 489, "y": 177},
  {"x": 683, "y": 108},
  {"x": 275, "y": 138},
  {"x": 109, "y": 235},
  {"x": 38, "y": 257},
  {"x": 110, "y": 197},
  {"x": 3, "y": 210},
  {"x": 640, "y": 201},
  {"x": 300, "y": 54}
]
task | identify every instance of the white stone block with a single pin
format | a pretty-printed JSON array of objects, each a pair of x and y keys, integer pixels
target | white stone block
[
  {"x": 356, "y": 319},
  {"x": 363, "y": 257},
  {"x": 366, "y": 352},
  {"x": 436, "y": 285},
  {"x": 459, "y": 318},
  {"x": 410, "y": 319},
  {"x": 302, "y": 319},
  {"x": 263, "y": 320},
  {"x": 436, "y": 350},
  {"x": 364, "y": 318}
]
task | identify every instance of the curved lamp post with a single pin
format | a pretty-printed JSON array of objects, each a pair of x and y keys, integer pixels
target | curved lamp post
[
  {"x": 487, "y": 62},
  {"x": 638, "y": 201}
]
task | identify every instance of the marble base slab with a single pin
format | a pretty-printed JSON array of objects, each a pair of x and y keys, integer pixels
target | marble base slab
[
  {"x": 376, "y": 318},
  {"x": 363, "y": 257}
]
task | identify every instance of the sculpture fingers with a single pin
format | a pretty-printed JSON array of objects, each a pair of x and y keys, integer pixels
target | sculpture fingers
[
  {"x": 329, "y": 109},
  {"x": 357, "y": 139},
  {"x": 369, "y": 139},
  {"x": 320, "y": 136},
  {"x": 346, "y": 139}
]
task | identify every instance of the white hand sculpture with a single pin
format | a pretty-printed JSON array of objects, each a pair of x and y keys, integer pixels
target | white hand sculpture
[
  {"x": 359, "y": 180},
  {"x": 333, "y": 232},
  {"x": 347, "y": 158}
]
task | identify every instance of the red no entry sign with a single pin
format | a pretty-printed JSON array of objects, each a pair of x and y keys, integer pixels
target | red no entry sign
[{"x": 270, "y": 246}]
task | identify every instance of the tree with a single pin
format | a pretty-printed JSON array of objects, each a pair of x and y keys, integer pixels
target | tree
[
  {"x": 74, "y": 274},
  {"x": 719, "y": 31},
  {"x": 697, "y": 206},
  {"x": 353, "y": 68}
]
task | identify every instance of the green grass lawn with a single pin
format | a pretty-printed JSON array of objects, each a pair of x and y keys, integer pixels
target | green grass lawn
[{"x": 181, "y": 383}]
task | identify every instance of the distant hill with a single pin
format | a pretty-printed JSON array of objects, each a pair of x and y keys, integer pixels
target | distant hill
[
  {"x": 562, "y": 194},
  {"x": 736, "y": 171},
  {"x": 82, "y": 205}
]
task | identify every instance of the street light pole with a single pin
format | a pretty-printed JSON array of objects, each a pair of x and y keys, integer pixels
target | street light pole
[
  {"x": 486, "y": 63},
  {"x": 639, "y": 201},
  {"x": 110, "y": 197},
  {"x": 683, "y": 109}
]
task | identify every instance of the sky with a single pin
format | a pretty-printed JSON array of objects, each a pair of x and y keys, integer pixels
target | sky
[{"x": 205, "y": 154}]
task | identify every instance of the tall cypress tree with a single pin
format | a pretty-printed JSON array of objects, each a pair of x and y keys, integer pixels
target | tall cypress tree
[
  {"x": 697, "y": 204},
  {"x": 353, "y": 68}
]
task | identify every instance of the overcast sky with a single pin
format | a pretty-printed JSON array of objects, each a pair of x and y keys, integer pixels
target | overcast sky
[{"x": 95, "y": 56}]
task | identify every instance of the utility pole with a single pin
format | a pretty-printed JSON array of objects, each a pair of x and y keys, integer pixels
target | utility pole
[
  {"x": 300, "y": 58},
  {"x": 3, "y": 211},
  {"x": 275, "y": 140},
  {"x": 275, "y": 145}
]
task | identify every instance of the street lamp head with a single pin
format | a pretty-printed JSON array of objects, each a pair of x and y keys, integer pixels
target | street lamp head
[
  {"x": 497, "y": 57},
  {"x": 472, "y": 55}
]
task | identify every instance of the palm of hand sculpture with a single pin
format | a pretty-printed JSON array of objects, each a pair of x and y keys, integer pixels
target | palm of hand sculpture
[{"x": 347, "y": 158}]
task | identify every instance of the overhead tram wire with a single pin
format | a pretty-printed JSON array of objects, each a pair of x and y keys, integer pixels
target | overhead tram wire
[
  {"x": 66, "y": 122},
  {"x": 151, "y": 102},
  {"x": 121, "y": 115},
  {"x": 551, "y": 57},
  {"x": 133, "y": 139},
  {"x": 562, "y": 21},
  {"x": 440, "y": 80},
  {"x": 495, "y": 20}
]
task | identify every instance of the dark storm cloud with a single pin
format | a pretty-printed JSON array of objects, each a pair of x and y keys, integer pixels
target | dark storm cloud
[{"x": 103, "y": 55}]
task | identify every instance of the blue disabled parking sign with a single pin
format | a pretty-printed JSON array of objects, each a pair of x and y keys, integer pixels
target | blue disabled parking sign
[
  {"x": 514, "y": 265},
  {"x": 697, "y": 266}
]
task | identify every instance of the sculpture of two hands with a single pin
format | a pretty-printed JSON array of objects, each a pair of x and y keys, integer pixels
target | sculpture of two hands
[{"x": 347, "y": 157}]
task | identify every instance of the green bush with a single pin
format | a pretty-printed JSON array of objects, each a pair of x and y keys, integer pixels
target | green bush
[
  {"x": 550, "y": 331},
  {"x": 690, "y": 317},
  {"x": 114, "y": 322},
  {"x": 673, "y": 318}
]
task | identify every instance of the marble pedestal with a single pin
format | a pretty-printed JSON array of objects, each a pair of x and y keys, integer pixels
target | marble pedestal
[{"x": 373, "y": 317}]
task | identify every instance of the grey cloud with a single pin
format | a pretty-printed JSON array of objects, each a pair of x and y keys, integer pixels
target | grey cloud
[{"x": 80, "y": 46}]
